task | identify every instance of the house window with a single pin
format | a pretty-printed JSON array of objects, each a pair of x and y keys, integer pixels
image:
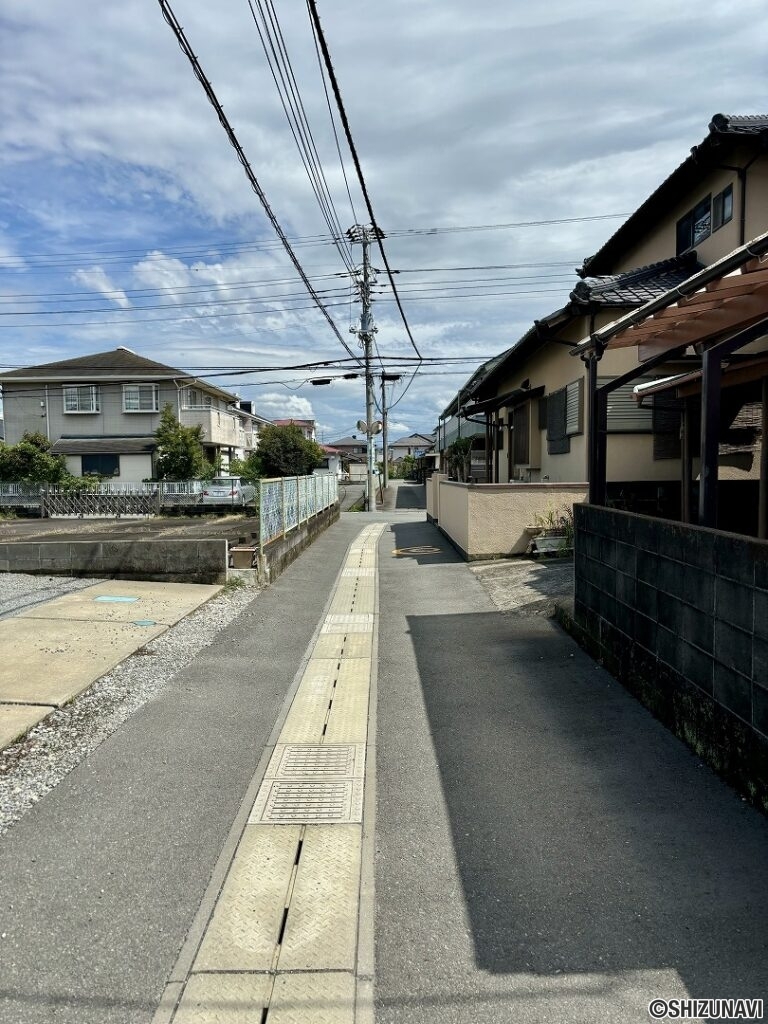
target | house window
[
  {"x": 101, "y": 465},
  {"x": 193, "y": 398},
  {"x": 81, "y": 398},
  {"x": 695, "y": 226},
  {"x": 140, "y": 398},
  {"x": 722, "y": 208}
]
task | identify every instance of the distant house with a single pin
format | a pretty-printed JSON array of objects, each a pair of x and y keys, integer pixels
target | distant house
[
  {"x": 332, "y": 462},
  {"x": 414, "y": 445},
  {"x": 353, "y": 455},
  {"x": 307, "y": 427},
  {"x": 101, "y": 412}
]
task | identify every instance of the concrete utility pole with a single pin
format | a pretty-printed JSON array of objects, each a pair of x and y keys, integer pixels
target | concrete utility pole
[
  {"x": 362, "y": 235},
  {"x": 386, "y": 378}
]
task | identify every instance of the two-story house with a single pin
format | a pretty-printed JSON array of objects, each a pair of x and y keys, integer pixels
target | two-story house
[
  {"x": 101, "y": 412},
  {"x": 528, "y": 408},
  {"x": 307, "y": 427}
]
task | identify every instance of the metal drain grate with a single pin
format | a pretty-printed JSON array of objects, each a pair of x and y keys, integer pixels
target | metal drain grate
[
  {"x": 315, "y": 762},
  {"x": 327, "y": 802}
]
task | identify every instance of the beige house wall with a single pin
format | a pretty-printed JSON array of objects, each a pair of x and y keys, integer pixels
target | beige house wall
[
  {"x": 490, "y": 520},
  {"x": 454, "y": 512},
  {"x": 660, "y": 242},
  {"x": 554, "y": 367}
]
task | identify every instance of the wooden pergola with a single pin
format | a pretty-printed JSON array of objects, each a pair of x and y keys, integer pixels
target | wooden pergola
[{"x": 715, "y": 314}]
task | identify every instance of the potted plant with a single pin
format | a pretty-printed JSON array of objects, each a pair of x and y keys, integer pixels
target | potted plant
[{"x": 554, "y": 531}]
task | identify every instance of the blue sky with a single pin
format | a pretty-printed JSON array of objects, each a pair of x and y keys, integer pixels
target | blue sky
[{"x": 119, "y": 191}]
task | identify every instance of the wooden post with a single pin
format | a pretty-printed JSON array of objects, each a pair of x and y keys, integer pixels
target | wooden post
[
  {"x": 686, "y": 465},
  {"x": 710, "y": 436},
  {"x": 762, "y": 517}
]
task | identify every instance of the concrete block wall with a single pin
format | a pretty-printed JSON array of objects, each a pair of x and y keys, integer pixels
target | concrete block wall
[
  {"x": 168, "y": 560},
  {"x": 680, "y": 614}
]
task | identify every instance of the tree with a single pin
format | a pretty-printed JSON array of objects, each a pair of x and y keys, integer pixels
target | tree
[
  {"x": 30, "y": 461},
  {"x": 250, "y": 469},
  {"x": 458, "y": 457},
  {"x": 180, "y": 454},
  {"x": 284, "y": 451}
]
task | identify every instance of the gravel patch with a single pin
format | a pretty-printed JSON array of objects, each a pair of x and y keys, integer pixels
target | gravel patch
[
  {"x": 35, "y": 764},
  {"x": 18, "y": 591}
]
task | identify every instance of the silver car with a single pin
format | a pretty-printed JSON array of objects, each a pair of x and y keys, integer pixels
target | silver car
[{"x": 228, "y": 490}]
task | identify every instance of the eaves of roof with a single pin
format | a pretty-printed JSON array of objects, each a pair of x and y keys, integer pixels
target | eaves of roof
[{"x": 725, "y": 131}]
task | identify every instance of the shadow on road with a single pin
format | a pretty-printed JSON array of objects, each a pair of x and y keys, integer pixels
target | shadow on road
[{"x": 588, "y": 839}]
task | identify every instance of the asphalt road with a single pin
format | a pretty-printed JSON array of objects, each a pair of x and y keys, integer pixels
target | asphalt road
[{"x": 546, "y": 850}]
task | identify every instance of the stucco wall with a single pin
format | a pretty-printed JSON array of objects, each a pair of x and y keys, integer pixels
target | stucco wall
[
  {"x": 490, "y": 520},
  {"x": 454, "y": 513}
]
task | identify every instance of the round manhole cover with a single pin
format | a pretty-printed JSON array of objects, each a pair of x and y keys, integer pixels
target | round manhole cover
[{"x": 418, "y": 549}]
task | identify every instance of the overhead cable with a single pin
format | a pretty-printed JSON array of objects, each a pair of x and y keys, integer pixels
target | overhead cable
[{"x": 212, "y": 98}]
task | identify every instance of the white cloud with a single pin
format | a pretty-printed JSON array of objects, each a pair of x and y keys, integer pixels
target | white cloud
[
  {"x": 97, "y": 280},
  {"x": 274, "y": 405}
]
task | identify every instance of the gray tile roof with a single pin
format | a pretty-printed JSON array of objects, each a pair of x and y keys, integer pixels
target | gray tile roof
[
  {"x": 739, "y": 124},
  {"x": 635, "y": 287},
  {"x": 117, "y": 362}
]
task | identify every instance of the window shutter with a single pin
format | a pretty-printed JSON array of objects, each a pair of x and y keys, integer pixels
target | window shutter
[
  {"x": 558, "y": 442},
  {"x": 574, "y": 407},
  {"x": 625, "y": 416}
]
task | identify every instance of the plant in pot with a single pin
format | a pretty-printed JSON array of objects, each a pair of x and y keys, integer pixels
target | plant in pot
[{"x": 554, "y": 531}]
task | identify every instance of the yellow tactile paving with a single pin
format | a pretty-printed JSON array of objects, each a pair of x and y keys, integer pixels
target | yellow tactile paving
[
  {"x": 321, "y": 929},
  {"x": 349, "y": 645},
  {"x": 224, "y": 999},
  {"x": 313, "y": 999},
  {"x": 289, "y": 907},
  {"x": 243, "y": 931}
]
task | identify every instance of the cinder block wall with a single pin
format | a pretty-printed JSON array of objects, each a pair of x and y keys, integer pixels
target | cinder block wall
[{"x": 680, "y": 615}]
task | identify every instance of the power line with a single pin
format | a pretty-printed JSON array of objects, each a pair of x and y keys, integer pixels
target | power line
[
  {"x": 279, "y": 63},
  {"x": 319, "y": 35},
  {"x": 212, "y": 98}
]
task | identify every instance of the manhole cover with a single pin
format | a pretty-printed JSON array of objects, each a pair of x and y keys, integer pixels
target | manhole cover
[{"x": 418, "y": 549}]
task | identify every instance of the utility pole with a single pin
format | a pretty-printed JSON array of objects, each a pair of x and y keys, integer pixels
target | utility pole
[
  {"x": 363, "y": 235},
  {"x": 386, "y": 378}
]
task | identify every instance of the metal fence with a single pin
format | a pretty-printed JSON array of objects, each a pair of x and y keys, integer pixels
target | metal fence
[
  {"x": 109, "y": 499},
  {"x": 286, "y": 502}
]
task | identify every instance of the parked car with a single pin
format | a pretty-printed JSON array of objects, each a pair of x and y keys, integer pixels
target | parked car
[{"x": 228, "y": 490}]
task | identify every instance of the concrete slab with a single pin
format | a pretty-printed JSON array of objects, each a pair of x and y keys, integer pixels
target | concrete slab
[
  {"x": 161, "y": 602},
  {"x": 312, "y": 999},
  {"x": 321, "y": 928},
  {"x": 51, "y": 661},
  {"x": 352, "y": 645},
  {"x": 223, "y": 999},
  {"x": 18, "y": 719},
  {"x": 243, "y": 932}
]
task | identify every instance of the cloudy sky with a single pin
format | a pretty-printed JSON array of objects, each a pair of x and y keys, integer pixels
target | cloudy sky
[{"x": 126, "y": 218}]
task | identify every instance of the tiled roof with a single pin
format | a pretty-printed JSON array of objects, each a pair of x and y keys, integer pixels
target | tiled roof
[
  {"x": 103, "y": 445},
  {"x": 739, "y": 124},
  {"x": 119, "y": 361},
  {"x": 118, "y": 364},
  {"x": 349, "y": 442},
  {"x": 635, "y": 287}
]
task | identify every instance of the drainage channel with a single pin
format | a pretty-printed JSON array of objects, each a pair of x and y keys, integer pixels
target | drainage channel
[{"x": 281, "y": 945}]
